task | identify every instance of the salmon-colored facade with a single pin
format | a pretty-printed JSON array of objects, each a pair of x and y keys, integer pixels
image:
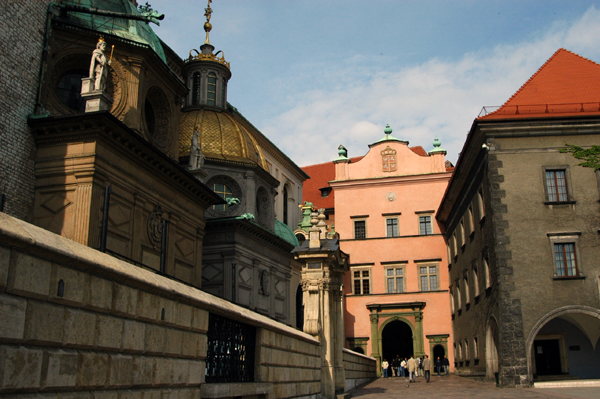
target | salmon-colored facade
[{"x": 396, "y": 293}]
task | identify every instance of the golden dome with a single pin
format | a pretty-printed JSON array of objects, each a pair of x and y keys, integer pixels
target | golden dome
[{"x": 221, "y": 137}]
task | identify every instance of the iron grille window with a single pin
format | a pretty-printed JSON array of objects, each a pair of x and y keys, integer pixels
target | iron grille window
[
  {"x": 425, "y": 225},
  {"x": 566, "y": 261},
  {"x": 392, "y": 227},
  {"x": 360, "y": 229},
  {"x": 556, "y": 183},
  {"x": 230, "y": 352}
]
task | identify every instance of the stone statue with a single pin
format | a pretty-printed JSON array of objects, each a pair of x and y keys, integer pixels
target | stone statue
[
  {"x": 196, "y": 156},
  {"x": 99, "y": 66}
]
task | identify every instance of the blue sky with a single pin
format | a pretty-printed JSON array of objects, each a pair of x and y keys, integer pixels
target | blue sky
[{"x": 312, "y": 75}]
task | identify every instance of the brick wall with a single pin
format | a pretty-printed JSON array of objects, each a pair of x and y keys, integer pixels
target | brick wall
[
  {"x": 21, "y": 42},
  {"x": 73, "y": 319}
]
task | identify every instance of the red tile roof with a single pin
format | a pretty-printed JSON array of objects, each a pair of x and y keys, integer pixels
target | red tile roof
[{"x": 566, "y": 85}]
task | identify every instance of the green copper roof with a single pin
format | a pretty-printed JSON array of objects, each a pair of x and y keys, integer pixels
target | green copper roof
[
  {"x": 388, "y": 137},
  {"x": 283, "y": 231},
  {"x": 137, "y": 31}
]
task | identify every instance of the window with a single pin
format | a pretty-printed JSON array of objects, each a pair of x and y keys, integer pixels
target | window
[
  {"x": 556, "y": 185},
  {"x": 392, "y": 227},
  {"x": 425, "y": 225},
  {"x": 463, "y": 241},
  {"x": 69, "y": 90},
  {"x": 480, "y": 203},
  {"x": 486, "y": 272},
  {"x": 211, "y": 92},
  {"x": 458, "y": 293},
  {"x": 428, "y": 277},
  {"x": 224, "y": 192},
  {"x": 223, "y": 89},
  {"x": 454, "y": 252},
  {"x": 467, "y": 355},
  {"x": 475, "y": 348},
  {"x": 196, "y": 88},
  {"x": 394, "y": 277},
  {"x": 470, "y": 220},
  {"x": 565, "y": 260},
  {"x": 285, "y": 205},
  {"x": 449, "y": 253},
  {"x": 460, "y": 352},
  {"x": 325, "y": 191},
  {"x": 475, "y": 278},
  {"x": 361, "y": 281},
  {"x": 452, "y": 300},
  {"x": 466, "y": 287},
  {"x": 360, "y": 229}
]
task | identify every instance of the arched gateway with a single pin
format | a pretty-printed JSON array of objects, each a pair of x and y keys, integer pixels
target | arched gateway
[
  {"x": 396, "y": 340},
  {"x": 566, "y": 341}
]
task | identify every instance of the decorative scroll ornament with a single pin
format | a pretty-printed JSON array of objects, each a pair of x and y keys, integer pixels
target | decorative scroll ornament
[
  {"x": 155, "y": 221},
  {"x": 388, "y": 157}
]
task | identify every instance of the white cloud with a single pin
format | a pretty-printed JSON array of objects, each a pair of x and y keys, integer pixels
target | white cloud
[{"x": 439, "y": 98}]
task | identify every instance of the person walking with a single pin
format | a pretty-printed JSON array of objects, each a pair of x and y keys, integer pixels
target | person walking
[
  {"x": 385, "y": 366},
  {"x": 427, "y": 367},
  {"x": 446, "y": 364},
  {"x": 438, "y": 366},
  {"x": 412, "y": 367}
]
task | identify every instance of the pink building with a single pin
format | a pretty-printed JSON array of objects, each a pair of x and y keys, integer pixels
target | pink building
[{"x": 396, "y": 293}]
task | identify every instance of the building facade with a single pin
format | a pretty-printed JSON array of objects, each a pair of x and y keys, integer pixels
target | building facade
[
  {"x": 396, "y": 298},
  {"x": 521, "y": 220}
]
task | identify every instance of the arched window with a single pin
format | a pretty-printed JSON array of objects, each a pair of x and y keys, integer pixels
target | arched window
[
  {"x": 211, "y": 89},
  {"x": 285, "y": 205},
  {"x": 69, "y": 90},
  {"x": 196, "y": 88}
]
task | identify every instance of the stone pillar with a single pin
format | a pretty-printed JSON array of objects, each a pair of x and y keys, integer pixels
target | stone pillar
[
  {"x": 340, "y": 337},
  {"x": 375, "y": 339},
  {"x": 418, "y": 343},
  {"x": 86, "y": 229}
]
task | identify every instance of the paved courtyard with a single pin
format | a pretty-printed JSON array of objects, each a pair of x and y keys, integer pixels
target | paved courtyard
[{"x": 461, "y": 387}]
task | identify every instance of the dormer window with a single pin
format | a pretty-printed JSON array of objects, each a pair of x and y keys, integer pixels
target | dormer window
[{"x": 325, "y": 191}]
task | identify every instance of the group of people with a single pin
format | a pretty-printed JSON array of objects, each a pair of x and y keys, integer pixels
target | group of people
[{"x": 414, "y": 367}]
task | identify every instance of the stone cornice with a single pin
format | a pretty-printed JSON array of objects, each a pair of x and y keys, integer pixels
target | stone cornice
[
  {"x": 243, "y": 226},
  {"x": 391, "y": 180},
  {"x": 104, "y": 127}
]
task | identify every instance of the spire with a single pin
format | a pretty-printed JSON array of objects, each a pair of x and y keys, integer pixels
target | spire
[{"x": 207, "y": 25}]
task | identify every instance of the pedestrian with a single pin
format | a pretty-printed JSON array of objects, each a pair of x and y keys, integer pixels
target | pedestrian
[
  {"x": 438, "y": 366},
  {"x": 446, "y": 364},
  {"x": 412, "y": 367},
  {"x": 385, "y": 366},
  {"x": 403, "y": 368},
  {"x": 427, "y": 367},
  {"x": 421, "y": 374},
  {"x": 396, "y": 366}
]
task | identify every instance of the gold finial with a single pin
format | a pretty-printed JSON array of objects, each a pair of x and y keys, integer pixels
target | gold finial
[
  {"x": 207, "y": 25},
  {"x": 101, "y": 39}
]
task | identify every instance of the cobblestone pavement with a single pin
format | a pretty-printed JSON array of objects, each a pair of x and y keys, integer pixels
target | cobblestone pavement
[{"x": 461, "y": 387}]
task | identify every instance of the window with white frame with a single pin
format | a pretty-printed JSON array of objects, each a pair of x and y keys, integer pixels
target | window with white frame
[
  {"x": 360, "y": 229},
  {"x": 361, "y": 281},
  {"x": 425, "y": 226},
  {"x": 428, "y": 277},
  {"x": 391, "y": 225},
  {"x": 565, "y": 254},
  {"x": 394, "y": 278}
]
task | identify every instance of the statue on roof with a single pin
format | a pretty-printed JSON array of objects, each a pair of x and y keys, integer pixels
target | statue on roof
[
  {"x": 196, "y": 157},
  {"x": 99, "y": 66}
]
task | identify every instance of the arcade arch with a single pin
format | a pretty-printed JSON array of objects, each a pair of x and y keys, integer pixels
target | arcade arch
[
  {"x": 491, "y": 348},
  {"x": 566, "y": 341}
]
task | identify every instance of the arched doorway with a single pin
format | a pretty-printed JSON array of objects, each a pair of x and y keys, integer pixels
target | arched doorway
[
  {"x": 491, "y": 349},
  {"x": 566, "y": 342},
  {"x": 396, "y": 340},
  {"x": 438, "y": 351}
]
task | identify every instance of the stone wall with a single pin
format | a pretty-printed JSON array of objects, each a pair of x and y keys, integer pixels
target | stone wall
[
  {"x": 73, "y": 319},
  {"x": 21, "y": 42},
  {"x": 360, "y": 369}
]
